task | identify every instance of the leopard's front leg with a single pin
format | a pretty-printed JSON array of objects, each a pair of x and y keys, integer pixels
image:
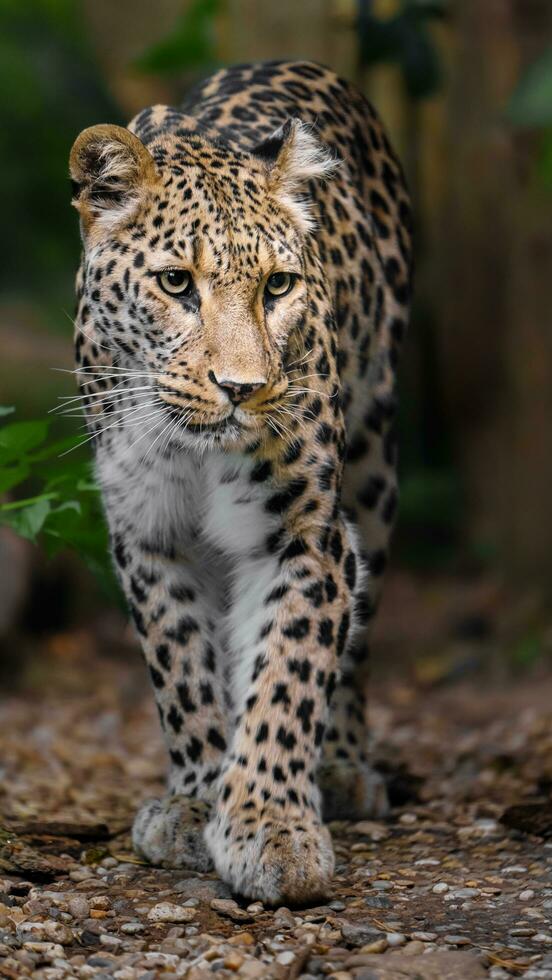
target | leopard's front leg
[
  {"x": 266, "y": 834},
  {"x": 172, "y": 618}
]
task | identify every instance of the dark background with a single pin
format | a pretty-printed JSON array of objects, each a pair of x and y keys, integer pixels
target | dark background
[{"x": 465, "y": 90}]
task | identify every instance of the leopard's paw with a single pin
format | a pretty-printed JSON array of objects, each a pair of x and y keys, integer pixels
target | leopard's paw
[
  {"x": 169, "y": 832},
  {"x": 351, "y": 791},
  {"x": 276, "y": 861}
]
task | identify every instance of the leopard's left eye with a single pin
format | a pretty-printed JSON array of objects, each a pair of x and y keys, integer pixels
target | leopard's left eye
[
  {"x": 279, "y": 283},
  {"x": 175, "y": 282}
]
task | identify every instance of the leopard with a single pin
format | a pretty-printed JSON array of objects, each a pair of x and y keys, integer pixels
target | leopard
[{"x": 242, "y": 298}]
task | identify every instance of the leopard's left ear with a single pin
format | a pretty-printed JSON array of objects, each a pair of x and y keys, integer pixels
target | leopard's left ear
[
  {"x": 110, "y": 169},
  {"x": 292, "y": 156}
]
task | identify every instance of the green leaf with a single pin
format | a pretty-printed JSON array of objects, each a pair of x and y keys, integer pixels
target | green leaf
[
  {"x": 72, "y": 505},
  {"x": 545, "y": 159},
  {"x": 19, "y": 438},
  {"x": 531, "y": 102},
  {"x": 190, "y": 45},
  {"x": 27, "y": 521},
  {"x": 56, "y": 448},
  {"x": 11, "y": 476},
  {"x": 6, "y": 410},
  {"x": 19, "y": 504}
]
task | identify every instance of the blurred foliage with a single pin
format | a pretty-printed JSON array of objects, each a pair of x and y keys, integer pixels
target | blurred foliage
[
  {"x": 52, "y": 89},
  {"x": 404, "y": 39},
  {"x": 531, "y": 106},
  {"x": 531, "y": 102},
  {"x": 190, "y": 45},
  {"x": 430, "y": 517},
  {"x": 61, "y": 503}
]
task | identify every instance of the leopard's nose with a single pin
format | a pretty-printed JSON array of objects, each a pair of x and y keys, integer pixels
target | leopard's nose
[{"x": 237, "y": 391}]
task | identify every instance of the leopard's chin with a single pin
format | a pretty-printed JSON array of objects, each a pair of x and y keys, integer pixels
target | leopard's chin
[{"x": 230, "y": 433}]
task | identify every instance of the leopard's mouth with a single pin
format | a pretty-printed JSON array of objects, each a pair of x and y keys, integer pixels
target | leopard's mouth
[{"x": 221, "y": 426}]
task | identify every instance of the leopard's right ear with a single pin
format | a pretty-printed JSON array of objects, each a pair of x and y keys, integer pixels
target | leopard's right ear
[{"x": 110, "y": 171}]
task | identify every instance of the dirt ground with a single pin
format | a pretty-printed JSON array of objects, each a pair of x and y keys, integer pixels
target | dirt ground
[{"x": 457, "y": 883}]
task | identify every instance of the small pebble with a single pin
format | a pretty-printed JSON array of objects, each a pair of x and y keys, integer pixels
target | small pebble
[
  {"x": 395, "y": 938},
  {"x": 109, "y": 862},
  {"x": 78, "y": 906},
  {"x": 462, "y": 893},
  {"x": 242, "y": 939},
  {"x": 47, "y": 931},
  {"x": 232, "y": 961},
  {"x": 526, "y": 895},
  {"x": 46, "y": 951},
  {"x": 131, "y": 928},
  {"x": 378, "y": 946},
  {"x": 229, "y": 908},
  {"x": 414, "y": 948},
  {"x": 107, "y": 940},
  {"x": 167, "y": 912},
  {"x": 457, "y": 940},
  {"x": 285, "y": 958},
  {"x": 440, "y": 888}
]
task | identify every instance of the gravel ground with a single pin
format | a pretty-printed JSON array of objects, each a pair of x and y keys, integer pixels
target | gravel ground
[{"x": 443, "y": 889}]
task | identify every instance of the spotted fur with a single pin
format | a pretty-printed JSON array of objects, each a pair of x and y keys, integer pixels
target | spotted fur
[{"x": 245, "y": 447}]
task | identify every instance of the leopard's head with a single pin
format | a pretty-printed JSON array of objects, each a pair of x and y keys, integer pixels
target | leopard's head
[{"x": 196, "y": 269}]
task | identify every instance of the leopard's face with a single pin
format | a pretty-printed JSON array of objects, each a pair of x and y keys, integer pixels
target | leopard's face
[{"x": 196, "y": 278}]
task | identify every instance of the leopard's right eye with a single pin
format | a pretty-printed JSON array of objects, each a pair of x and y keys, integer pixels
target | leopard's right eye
[{"x": 175, "y": 282}]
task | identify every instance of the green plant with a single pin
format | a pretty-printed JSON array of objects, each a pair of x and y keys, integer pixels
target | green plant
[
  {"x": 57, "y": 503},
  {"x": 53, "y": 90},
  {"x": 189, "y": 46},
  {"x": 405, "y": 40},
  {"x": 530, "y": 105}
]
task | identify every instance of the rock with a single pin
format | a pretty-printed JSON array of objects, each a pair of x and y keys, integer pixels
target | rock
[
  {"x": 432, "y": 966},
  {"x": 232, "y": 961},
  {"x": 526, "y": 895},
  {"x": 378, "y": 946},
  {"x": 242, "y": 939},
  {"x": 165, "y": 960},
  {"x": 414, "y": 948},
  {"x": 378, "y": 902},
  {"x": 286, "y": 957},
  {"x": 46, "y": 951},
  {"x": 460, "y": 894},
  {"x": 47, "y": 931},
  {"x": 78, "y": 906},
  {"x": 369, "y": 828},
  {"x": 440, "y": 888},
  {"x": 131, "y": 928},
  {"x": 358, "y": 933},
  {"x": 167, "y": 912},
  {"x": 253, "y": 970},
  {"x": 395, "y": 938},
  {"x": 531, "y": 818},
  {"x": 457, "y": 940},
  {"x": 204, "y": 889},
  {"x": 230, "y": 909}
]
